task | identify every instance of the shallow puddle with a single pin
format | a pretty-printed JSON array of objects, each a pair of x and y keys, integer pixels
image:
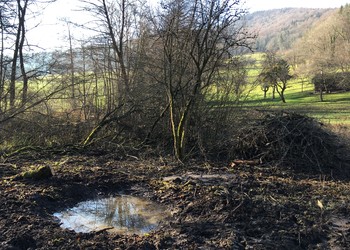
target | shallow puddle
[{"x": 120, "y": 214}]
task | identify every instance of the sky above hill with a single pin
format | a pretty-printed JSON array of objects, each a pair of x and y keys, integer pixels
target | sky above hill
[
  {"x": 52, "y": 31},
  {"x": 256, "y": 5}
]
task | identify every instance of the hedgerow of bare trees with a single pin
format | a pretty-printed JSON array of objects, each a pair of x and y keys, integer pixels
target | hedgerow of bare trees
[
  {"x": 166, "y": 77},
  {"x": 167, "y": 64}
]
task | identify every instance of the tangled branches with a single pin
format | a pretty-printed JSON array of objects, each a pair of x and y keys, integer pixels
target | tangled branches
[{"x": 295, "y": 141}]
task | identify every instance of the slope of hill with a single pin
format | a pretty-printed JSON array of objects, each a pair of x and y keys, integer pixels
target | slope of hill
[{"x": 279, "y": 29}]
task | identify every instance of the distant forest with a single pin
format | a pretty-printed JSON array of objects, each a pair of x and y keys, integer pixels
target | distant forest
[{"x": 279, "y": 29}]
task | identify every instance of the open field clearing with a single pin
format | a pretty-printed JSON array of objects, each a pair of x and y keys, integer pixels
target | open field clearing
[{"x": 301, "y": 98}]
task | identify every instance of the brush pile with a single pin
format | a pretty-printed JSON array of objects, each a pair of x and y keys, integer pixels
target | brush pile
[{"x": 295, "y": 141}]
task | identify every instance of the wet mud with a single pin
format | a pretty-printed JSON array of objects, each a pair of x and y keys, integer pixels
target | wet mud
[{"x": 209, "y": 206}]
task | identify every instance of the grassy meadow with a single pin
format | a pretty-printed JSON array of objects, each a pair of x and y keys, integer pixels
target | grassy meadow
[{"x": 300, "y": 98}]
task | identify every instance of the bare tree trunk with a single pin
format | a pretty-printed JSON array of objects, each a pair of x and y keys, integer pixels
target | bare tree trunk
[
  {"x": 84, "y": 106},
  {"x": 18, "y": 52},
  {"x": 118, "y": 43},
  {"x": 2, "y": 70},
  {"x": 273, "y": 91},
  {"x": 323, "y": 85},
  {"x": 12, "y": 90},
  {"x": 72, "y": 68},
  {"x": 21, "y": 56},
  {"x": 280, "y": 88}
]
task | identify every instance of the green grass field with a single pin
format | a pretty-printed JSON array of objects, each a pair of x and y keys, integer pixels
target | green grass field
[{"x": 301, "y": 98}]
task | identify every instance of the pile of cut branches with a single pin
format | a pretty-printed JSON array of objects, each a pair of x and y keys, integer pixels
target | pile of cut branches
[{"x": 293, "y": 140}]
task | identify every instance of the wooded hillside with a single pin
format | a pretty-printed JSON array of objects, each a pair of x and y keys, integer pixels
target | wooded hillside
[{"x": 278, "y": 29}]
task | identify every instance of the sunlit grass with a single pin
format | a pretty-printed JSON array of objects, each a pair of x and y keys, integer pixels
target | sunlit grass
[
  {"x": 335, "y": 109},
  {"x": 300, "y": 98}
]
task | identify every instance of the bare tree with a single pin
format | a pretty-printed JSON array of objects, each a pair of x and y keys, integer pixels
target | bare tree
[
  {"x": 18, "y": 50},
  {"x": 275, "y": 72},
  {"x": 325, "y": 48},
  {"x": 194, "y": 40},
  {"x": 115, "y": 22},
  {"x": 6, "y": 15},
  {"x": 71, "y": 59},
  {"x": 14, "y": 14}
]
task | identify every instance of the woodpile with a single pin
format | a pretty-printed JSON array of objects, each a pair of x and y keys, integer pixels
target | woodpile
[{"x": 293, "y": 140}]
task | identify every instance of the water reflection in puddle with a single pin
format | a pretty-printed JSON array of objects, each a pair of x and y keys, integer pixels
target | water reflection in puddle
[{"x": 121, "y": 214}]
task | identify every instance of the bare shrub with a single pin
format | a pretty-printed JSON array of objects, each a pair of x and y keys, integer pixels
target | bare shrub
[{"x": 37, "y": 129}]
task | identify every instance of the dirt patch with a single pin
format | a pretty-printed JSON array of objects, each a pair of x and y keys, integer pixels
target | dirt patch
[{"x": 211, "y": 207}]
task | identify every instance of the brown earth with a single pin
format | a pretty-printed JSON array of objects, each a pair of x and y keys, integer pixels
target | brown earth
[{"x": 212, "y": 207}]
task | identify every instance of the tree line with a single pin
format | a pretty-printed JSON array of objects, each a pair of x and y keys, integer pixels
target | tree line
[
  {"x": 323, "y": 53},
  {"x": 164, "y": 77}
]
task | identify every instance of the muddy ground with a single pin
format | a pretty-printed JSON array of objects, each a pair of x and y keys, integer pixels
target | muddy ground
[{"x": 212, "y": 206}]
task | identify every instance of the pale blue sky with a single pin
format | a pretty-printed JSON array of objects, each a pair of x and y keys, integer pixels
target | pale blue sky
[
  {"x": 52, "y": 33},
  {"x": 255, "y": 5}
]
